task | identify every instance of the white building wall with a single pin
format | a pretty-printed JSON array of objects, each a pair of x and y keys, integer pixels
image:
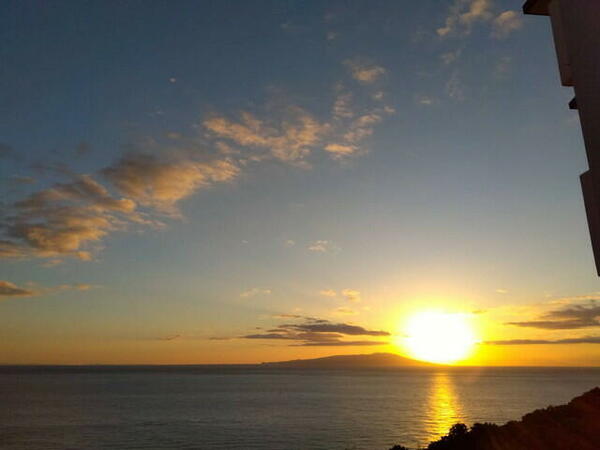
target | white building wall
[{"x": 576, "y": 30}]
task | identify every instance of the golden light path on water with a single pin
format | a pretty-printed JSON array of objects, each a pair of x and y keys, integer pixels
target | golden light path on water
[{"x": 444, "y": 408}]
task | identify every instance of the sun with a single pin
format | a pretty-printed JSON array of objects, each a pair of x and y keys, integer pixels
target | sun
[{"x": 439, "y": 337}]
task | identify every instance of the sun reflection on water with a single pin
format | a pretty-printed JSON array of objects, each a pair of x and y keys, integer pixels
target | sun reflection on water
[{"x": 443, "y": 407}]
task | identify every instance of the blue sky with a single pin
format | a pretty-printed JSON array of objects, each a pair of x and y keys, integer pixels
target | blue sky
[{"x": 199, "y": 168}]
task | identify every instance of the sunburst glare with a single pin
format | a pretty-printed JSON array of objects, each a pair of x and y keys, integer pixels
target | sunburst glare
[{"x": 439, "y": 337}]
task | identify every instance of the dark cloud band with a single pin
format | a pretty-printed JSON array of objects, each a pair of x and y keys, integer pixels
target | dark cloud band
[{"x": 315, "y": 332}]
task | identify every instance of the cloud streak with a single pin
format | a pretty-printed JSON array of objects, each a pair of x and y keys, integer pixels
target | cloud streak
[
  {"x": 63, "y": 220},
  {"x": 340, "y": 344},
  {"x": 328, "y": 293},
  {"x": 579, "y": 340},
  {"x": 253, "y": 292},
  {"x": 70, "y": 219},
  {"x": 342, "y": 328},
  {"x": 11, "y": 290},
  {"x": 351, "y": 295},
  {"x": 314, "y": 332},
  {"x": 569, "y": 318},
  {"x": 322, "y": 246},
  {"x": 160, "y": 184},
  {"x": 8, "y": 289}
]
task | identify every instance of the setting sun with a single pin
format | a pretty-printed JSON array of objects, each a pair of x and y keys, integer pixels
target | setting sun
[{"x": 439, "y": 337}]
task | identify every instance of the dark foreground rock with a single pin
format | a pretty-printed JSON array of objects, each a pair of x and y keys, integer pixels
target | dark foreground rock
[{"x": 575, "y": 426}]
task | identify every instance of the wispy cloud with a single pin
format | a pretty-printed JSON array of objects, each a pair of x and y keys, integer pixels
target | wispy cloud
[
  {"x": 569, "y": 318},
  {"x": 287, "y": 316},
  {"x": 331, "y": 35},
  {"x": 161, "y": 183},
  {"x": 352, "y": 127},
  {"x": 170, "y": 337},
  {"x": 11, "y": 290},
  {"x": 52, "y": 262},
  {"x": 327, "y": 293},
  {"x": 8, "y": 289},
  {"x": 455, "y": 88},
  {"x": 290, "y": 138},
  {"x": 503, "y": 67},
  {"x": 463, "y": 14},
  {"x": 278, "y": 336},
  {"x": 328, "y": 327},
  {"x": 23, "y": 179},
  {"x": 63, "y": 219},
  {"x": 322, "y": 246},
  {"x": 292, "y": 134},
  {"x": 461, "y": 18},
  {"x": 76, "y": 287},
  {"x": 11, "y": 250},
  {"x": 578, "y": 340},
  {"x": 364, "y": 72},
  {"x": 424, "y": 100},
  {"x": 340, "y": 344},
  {"x": 505, "y": 23},
  {"x": 352, "y": 295},
  {"x": 319, "y": 332},
  {"x": 342, "y": 310},
  {"x": 72, "y": 217},
  {"x": 253, "y": 292},
  {"x": 342, "y": 105},
  {"x": 451, "y": 56}
]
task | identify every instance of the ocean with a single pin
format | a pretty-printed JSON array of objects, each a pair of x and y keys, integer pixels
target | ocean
[{"x": 199, "y": 407}]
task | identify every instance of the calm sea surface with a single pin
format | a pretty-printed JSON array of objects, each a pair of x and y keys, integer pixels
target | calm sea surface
[{"x": 243, "y": 408}]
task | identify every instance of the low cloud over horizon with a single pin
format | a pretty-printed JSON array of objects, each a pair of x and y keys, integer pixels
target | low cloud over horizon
[
  {"x": 568, "y": 318},
  {"x": 314, "y": 332},
  {"x": 578, "y": 340}
]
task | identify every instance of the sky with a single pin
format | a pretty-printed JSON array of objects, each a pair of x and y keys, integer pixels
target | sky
[{"x": 229, "y": 181}]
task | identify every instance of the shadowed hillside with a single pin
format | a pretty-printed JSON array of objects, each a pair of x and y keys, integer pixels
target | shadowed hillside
[
  {"x": 374, "y": 360},
  {"x": 575, "y": 426}
]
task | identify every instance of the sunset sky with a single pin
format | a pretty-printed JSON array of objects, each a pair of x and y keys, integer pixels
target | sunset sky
[{"x": 232, "y": 181}]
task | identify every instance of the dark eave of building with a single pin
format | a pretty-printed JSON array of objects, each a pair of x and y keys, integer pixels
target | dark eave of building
[
  {"x": 573, "y": 103},
  {"x": 536, "y": 7}
]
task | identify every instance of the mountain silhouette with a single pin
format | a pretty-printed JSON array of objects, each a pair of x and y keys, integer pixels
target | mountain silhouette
[{"x": 370, "y": 361}]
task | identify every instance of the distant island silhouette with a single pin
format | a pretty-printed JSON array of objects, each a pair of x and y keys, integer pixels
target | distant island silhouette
[
  {"x": 368, "y": 361},
  {"x": 575, "y": 426}
]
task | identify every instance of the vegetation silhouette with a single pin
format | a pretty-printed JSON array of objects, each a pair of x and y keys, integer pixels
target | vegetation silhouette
[{"x": 566, "y": 427}]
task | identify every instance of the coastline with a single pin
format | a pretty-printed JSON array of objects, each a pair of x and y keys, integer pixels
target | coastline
[{"x": 574, "y": 425}]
